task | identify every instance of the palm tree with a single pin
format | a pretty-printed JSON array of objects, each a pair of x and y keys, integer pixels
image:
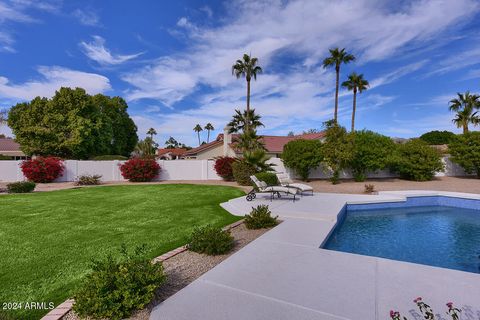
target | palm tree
[
  {"x": 465, "y": 105},
  {"x": 249, "y": 140},
  {"x": 247, "y": 67},
  {"x": 209, "y": 128},
  {"x": 239, "y": 121},
  {"x": 197, "y": 129},
  {"x": 336, "y": 58},
  {"x": 357, "y": 83},
  {"x": 151, "y": 132}
]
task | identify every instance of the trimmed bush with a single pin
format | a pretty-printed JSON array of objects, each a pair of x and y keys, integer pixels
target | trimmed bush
[
  {"x": 21, "y": 187},
  {"x": 302, "y": 156},
  {"x": 416, "y": 160},
  {"x": 242, "y": 171},
  {"x": 117, "y": 287},
  {"x": 42, "y": 170},
  {"x": 140, "y": 170},
  {"x": 260, "y": 217},
  {"x": 109, "y": 157},
  {"x": 337, "y": 150},
  {"x": 269, "y": 178},
  {"x": 223, "y": 167},
  {"x": 465, "y": 151},
  {"x": 438, "y": 137},
  {"x": 88, "y": 180},
  {"x": 4, "y": 157},
  {"x": 210, "y": 240}
]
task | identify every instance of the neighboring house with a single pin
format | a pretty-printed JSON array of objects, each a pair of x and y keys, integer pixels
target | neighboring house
[
  {"x": 170, "y": 154},
  {"x": 224, "y": 145},
  {"x": 8, "y": 147}
]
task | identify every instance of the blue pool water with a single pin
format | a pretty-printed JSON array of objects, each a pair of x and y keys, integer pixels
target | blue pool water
[{"x": 435, "y": 235}]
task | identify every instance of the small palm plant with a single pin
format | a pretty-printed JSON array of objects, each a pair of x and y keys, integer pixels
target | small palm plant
[
  {"x": 209, "y": 127},
  {"x": 465, "y": 105},
  {"x": 355, "y": 83},
  {"x": 336, "y": 58},
  {"x": 198, "y": 129},
  {"x": 239, "y": 121}
]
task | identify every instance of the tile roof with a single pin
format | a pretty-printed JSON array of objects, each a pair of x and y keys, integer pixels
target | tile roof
[
  {"x": 175, "y": 151},
  {"x": 8, "y": 144}
]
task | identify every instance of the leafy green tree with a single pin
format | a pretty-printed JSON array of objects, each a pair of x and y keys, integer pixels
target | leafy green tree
[
  {"x": 74, "y": 125},
  {"x": 247, "y": 68},
  {"x": 209, "y": 127},
  {"x": 355, "y": 83},
  {"x": 466, "y": 107},
  {"x": 198, "y": 128},
  {"x": 416, "y": 160},
  {"x": 465, "y": 150},
  {"x": 370, "y": 153},
  {"x": 302, "y": 156},
  {"x": 438, "y": 137},
  {"x": 336, "y": 58},
  {"x": 337, "y": 149},
  {"x": 239, "y": 121}
]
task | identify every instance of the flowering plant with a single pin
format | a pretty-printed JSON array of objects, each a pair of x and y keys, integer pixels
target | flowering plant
[
  {"x": 140, "y": 170},
  {"x": 223, "y": 167},
  {"x": 427, "y": 311},
  {"x": 43, "y": 169}
]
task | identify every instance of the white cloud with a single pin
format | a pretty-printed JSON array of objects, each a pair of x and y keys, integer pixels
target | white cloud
[
  {"x": 97, "y": 51},
  {"x": 87, "y": 17},
  {"x": 457, "y": 61},
  {"x": 396, "y": 74},
  {"x": 52, "y": 78}
]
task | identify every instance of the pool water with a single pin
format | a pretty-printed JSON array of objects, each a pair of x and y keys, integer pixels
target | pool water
[{"x": 440, "y": 236}]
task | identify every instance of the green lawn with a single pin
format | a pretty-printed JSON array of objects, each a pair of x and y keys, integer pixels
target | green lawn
[{"x": 47, "y": 240}]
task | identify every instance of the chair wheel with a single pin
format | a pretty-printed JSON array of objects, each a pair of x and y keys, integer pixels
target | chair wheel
[
  {"x": 254, "y": 195},
  {"x": 249, "y": 197}
]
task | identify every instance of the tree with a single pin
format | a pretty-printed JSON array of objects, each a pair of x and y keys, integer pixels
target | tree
[
  {"x": 151, "y": 132},
  {"x": 3, "y": 117},
  {"x": 247, "y": 67},
  {"x": 249, "y": 140},
  {"x": 336, "y": 58},
  {"x": 239, "y": 121},
  {"x": 146, "y": 148},
  {"x": 171, "y": 143},
  {"x": 302, "y": 156},
  {"x": 370, "y": 153},
  {"x": 73, "y": 125},
  {"x": 465, "y": 105},
  {"x": 198, "y": 129},
  {"x": 209, "y": 127},
  {"x": 291, "y": 134},
  {"x": 258, "y": 158},
  {"x": 465, "y": 151},
  {"x": 336, "y": 149},
  {"x": 438, "y": 137},
  {"x": 355, "y": 83}
]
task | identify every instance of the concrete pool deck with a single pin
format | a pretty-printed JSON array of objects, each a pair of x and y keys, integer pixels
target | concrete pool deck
[{"x": 285, "y": 275}]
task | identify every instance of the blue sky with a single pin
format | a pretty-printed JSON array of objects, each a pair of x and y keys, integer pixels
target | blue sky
[{"x": 171, "y": 60}]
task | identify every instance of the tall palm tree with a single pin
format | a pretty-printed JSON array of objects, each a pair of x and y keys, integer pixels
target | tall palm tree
[
  {"x": 465, "y": 105},
  {"x": 198, "y": 129},
  {"x": 247, "y": 67},
  {"x": 239, "y": 121},
  {"x": 209, "y": 128},
  {"x": 151, "y": 132},
  {"x": 336, "y": 58},
  {"x": 357, "y": 83}
]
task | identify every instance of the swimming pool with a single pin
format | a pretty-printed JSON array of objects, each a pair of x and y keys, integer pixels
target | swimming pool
[{"x": 437, "y": 231}]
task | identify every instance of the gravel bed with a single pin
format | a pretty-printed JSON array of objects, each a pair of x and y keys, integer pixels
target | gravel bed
[{"x": 187, "y": 266}]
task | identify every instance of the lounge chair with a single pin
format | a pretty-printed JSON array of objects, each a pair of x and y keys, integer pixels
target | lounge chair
[
  {"x": 262, "y": 187},
  {"x": 285, "y": 181}
]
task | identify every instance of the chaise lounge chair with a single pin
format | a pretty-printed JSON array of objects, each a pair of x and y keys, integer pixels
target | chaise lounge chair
[
  {"x": 285, "y": 181},
  {"x": 262, "y": 187}
]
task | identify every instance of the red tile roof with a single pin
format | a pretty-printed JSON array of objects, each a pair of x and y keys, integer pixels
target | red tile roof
[
  {"x": 8, "y": 144},
  {"x": 175, "y": 151}
]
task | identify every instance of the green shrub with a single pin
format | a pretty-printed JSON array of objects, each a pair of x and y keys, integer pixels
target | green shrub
[
  {"x": 337, "y": 149},
  {"x": 242, "y": 172},
  {"x": 88, "y": 180},
  {"x": 465, "y": 151},
  {"x": 416, "y": 160},
  {"x": 260, "y": 217},
  {"x": 117, "y": 287},
  {"x": 109, "y": 157},
  {"x": 4, "y": 157},
  {"x": 438, "y": 137},
  {"x": 269, "y": 178},
  {"x": 302, "y": 156},
  {"x": 21, "y": 187},
  {"x": 210, "y": 240},
  {"x": 370, "y": 153}
]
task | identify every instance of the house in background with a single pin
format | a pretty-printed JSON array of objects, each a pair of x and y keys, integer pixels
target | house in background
[
  {"x": 224, "y": 145},
  {"x": 9, "y": 148},
  {"x": 170, "y": 154}
]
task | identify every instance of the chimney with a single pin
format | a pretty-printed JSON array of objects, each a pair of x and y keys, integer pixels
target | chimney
[{"x": 227, "y": 139}]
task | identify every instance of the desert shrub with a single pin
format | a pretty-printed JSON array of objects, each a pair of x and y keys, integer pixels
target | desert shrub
[
  {"x": 416, "y": 160},
  {"x": 260, "y": 217},
  {"x": 438, "y": 137},
  {"x": 370, "y": 153},
  {"x": 242, "y": 171},
  {"x": 42, "y": 170},
  {"x": 109, "y": 157},
  {"x": 140, "y": 170},
  {"x": 269, "y": 178},
  {"x": 118, "y": 286},
  {"x": 337, "y": 150},
  {"x": 4, "y": 157},
  {"x": 88, "y": 180},
  {"x": 21, "y": 187},
  {"x": 210, "y": 240},
  {"x": 465, "y": 151},
  {"x": 223, "y": 167},
  {"x": 302, "y": 156}
]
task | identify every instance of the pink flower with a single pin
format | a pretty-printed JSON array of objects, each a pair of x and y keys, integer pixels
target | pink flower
[
  {"x": 417, "y": 300},
  {"x": 450, "y": 305},
  {"x": 392, "y": 313}
]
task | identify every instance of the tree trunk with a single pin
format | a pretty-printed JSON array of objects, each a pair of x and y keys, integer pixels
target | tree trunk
[
  {"x": 208, "y": 136},
  {"x": 337, "y": 69},
  {"x": 248, "y": 105},
  {"x": 465, "y": 128},
  {"x": 354, "y": 108},
  {"x": 198, "y": 134}
]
